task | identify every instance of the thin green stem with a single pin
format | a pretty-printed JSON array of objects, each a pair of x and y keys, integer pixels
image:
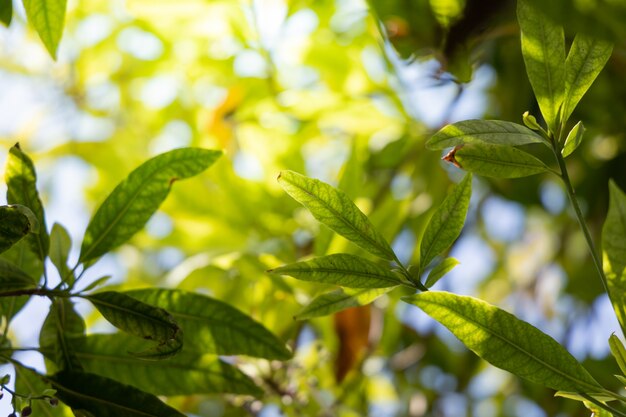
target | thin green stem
[
  {"x": 615, "y": 412},
  {"x": 409, "y": 277}
]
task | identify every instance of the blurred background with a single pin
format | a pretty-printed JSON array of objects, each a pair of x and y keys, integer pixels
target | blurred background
[{"x": 345, "y": 91}]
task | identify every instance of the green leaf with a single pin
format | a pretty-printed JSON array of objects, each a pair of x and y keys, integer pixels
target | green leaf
[
  {"x": 60, "y": 245},
  {"x": 140, "y": 319},
  {"x": 105, "y": 397},
  {"x": 491, "y": 132},
  {"x": 20, "y": 256},
  {"x": 543, "y": 48},
  {"x": 30, "y": 382},
  {"x": 131, "y": 204},
  {"x": 62, "y": 322},
  {"x": 614, "y": 251},
  {"x": 6, "y": 12},
  {"x": 506, "y": 342},
  {"x": 48, "y": 18},
  {"x": 621, "y": 379},
  {"x": 96, "y": 283},
  {"x": 213, "y": 326},
  {"x": 13, "y": 278},
  {"x": 21, "y": 180},
  {"x": 446, "y": 224},
  {"x": 335, "y": 209},
  {"x": 585, "y": 60},
  {"x": 16, "y": 222},
  {"x": 574, "y": 139},
  {"x": 618, "y": 351},
  {"x": 184, "y": 374},
  {"x": 335, "y": 301},
  {"x": 343, "y": 270},
  {"x": 496, "y": 161},
  {"x": 440, "y": 270}
]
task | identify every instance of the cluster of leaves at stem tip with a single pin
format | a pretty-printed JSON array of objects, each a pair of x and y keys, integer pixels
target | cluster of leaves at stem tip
[
  {"x": 497, "y": 149},
  {"x": 165, "y": 334}
]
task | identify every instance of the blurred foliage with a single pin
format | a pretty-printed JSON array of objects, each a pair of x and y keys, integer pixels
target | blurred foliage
[{"x": 327, "y": 88}]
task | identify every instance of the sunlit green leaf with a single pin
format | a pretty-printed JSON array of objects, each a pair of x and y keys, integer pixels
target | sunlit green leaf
[
  {"x": 6, "y": 12},
  {"x": 614, "y": 251},
  {"x": 446, "y": 224},
  {"x": 585, "y": 60},
  {"x": 574, "y": 139},
  {"x": 335, "y": 209},
  {"x": 184, "y": 374},
  {"x": 21, "y": 180},
  {"x": 505, "y": 341},
  {"x": 48, "y": 18},
  {"x": 543, "y": 48},
  {"x": 496, "y": 161},
  {"x": 447, "y": 11},
  {"x": 105, "y": 397},
  {"x": 60, "y": 245},
  {"x": 618, "y": 351},
  {"x": 140, "y": 319},
  {"x": 62, "y": 323},
  {"x": 341, "y": 269},
  {"x": 127, "y": 209},
  {"x": 29, "y": 382},
  {"x": 16, "y": 222},
  {"x": 492, "y": 132},
  {"x": 335, "y": 301},
  {"x": 440, "y": 270},
  {"x": 214, "y": 326}
]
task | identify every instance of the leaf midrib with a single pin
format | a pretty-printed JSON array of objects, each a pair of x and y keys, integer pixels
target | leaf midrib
[{"x": 313, "y": 270}]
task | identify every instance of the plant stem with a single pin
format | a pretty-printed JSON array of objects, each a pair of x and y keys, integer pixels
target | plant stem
[
  {"x": 613, "y": 411},
  {"x": 407, "y": 274}
]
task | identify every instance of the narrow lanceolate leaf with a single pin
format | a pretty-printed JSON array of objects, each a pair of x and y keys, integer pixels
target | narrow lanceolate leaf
[
  {"x": 21, "y": 180},
  {"x": 493, "y": 132},
  {"x": 30, "y": 382},
  {"x": 16, "y": 222},
  {"x": 60, "y": 245},
  {"x": 61, "y": 324},
  {"x": 585, "y": 60},
  {"x": 213, "y": 326},
  {"x": 446, "y": 224},
  {"x": 13, "y": 278},
  {"x": 131, "y": 204},
  {"x": 574, "y": 139},
  {"x": 440, "y": 270},
  {"x": 618, "y": 351},
  {"x": 614, "y": 251},
  {"x": 48, "y": 18},
  {"x": 335, "y": 209},
  {"x": 105, "y": 397},
  {"x": 335, "y": 301},
  {"x": 187, "y": 373},
  {"x": 6, "y": 12},
  {"x": 496, "y": 161},
  {"x": 543, "y": 48},
  {"x": 506, "y": 342},
  {"x": 140, "y": 319},
  {"x": 343, "y": 270}
]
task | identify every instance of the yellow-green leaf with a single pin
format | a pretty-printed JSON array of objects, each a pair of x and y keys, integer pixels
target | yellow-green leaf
[
  {"x": 492, "y": 132},
  {"x": 338, "y": 300},
  {"x": 496, "y": 161},
  {"x": 440, "y": 270},
  {"x": 618, "y": 351},
  {"x": 574, "y": 139},
  {"x": 48, "y": 18}
]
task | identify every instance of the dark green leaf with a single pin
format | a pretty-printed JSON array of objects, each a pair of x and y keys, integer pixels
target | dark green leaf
[
  {"x": 21, "y": 180},
  {"x": 585, "y": 60},
  {"x": 492, "y": 132},
  {"x": 335, "y": 209},
  {"x": 543, "y": 48},
  {"x": 104, "y": 397},
  {"x": 213, "y": 326},
  {"x": 140, "y": 319},
  {"x": 496, "y": 161},
  {"x": 13, "y": 278},
  {"x": 62, "y": 323},
  {"x": 446, "y": 224},
  {"x": 48, "y": 18},
  {"x": 506, "y": 342},
  {"x": 131, "y": 204},
  {"x": 335, "y": 301},
  {"x": 21, "y": 257},
  {"x": 574, "y": 139},
  {"x": 440, "y": 270},
  {"x": 6, "y": 12},
  {"x": 30, "y": 382},
  {"x": 614, "y": 251},
  {"x": 343, "y": 270},
  {"x": 184, "y": 374},
  {"x": 15, "y": 223},
  {"x": 618, "y": 351},
  {"x": 60, "y": 245}
]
